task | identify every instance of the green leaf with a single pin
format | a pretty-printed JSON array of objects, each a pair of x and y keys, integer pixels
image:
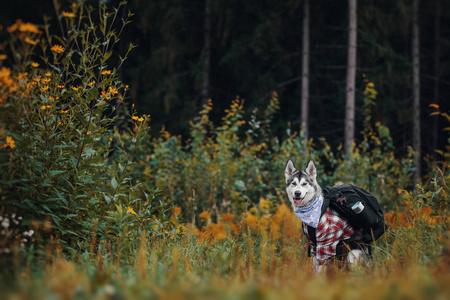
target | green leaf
[
  {"x": 114, "y": 183},
  {"x": 56, "y": 172}
]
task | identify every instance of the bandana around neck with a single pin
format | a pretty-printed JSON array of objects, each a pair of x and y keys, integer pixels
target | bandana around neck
[{"x": 310, "y": 215}]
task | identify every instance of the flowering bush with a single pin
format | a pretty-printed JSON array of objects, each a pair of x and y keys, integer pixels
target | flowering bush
[{"x": 67, "y": 134}]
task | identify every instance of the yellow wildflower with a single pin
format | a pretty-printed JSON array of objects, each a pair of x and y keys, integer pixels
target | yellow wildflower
[
  {"x": 68, "y": 14},
  {"x": 88, "y": 133},
  {"x": 3, "y": 56},
  {"x": 127, "y": 86},
  {"x": 370, "y": 84},
  {"x": 208, "y": 105},
  {"x": 45, "y": 80},
  {"x": 34, "y": 64},
  {"x": 30, "y": 41},
  {"x": 131, "y": 210},
  {"x": 75, "y": 88},
  {"x": 64, "y": 111},
  {"x": 46, "y": 107},
  {"x": 44, "y": 88},
  {"x": 113, "y": 90},
  {"x": 9, "y": 143},
  {"x": 106, "y": 72},
  {"x": 57, "y": 48},
  {"x": 60, "y": 86},
  {"x": 105, "y": 95},
  {"x": 136, "y": 118},
  {"x": 29, "y": 27},
  {"x": 14, "y": 26},
  {"x": 205, "y": 216},
  {"x": 227, "y": 217},
  {"x": 91, "y": 83},
  {"x": 48, "y": 74}
]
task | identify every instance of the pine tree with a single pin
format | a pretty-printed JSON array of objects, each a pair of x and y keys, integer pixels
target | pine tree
[
  {"x": 351, "y": 73},
  {"x": 416, "y": 91},
  {"x": 305, "y": 70}
]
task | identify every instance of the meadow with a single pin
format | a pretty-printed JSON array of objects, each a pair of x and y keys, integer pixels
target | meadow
[{"x": 93, "y": 206}]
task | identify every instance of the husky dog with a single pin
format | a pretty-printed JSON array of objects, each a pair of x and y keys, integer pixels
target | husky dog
[
  {"x": 305, "y": 195},
  {"x": 301, "y": 186}
]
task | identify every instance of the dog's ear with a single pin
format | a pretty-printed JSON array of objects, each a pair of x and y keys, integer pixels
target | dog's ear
[
  {"x": 311, "y": 170},
  {"x": 290, "y": 169}
]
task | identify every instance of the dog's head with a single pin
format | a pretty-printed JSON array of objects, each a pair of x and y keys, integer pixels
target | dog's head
[{"x": 301, "y": 186}]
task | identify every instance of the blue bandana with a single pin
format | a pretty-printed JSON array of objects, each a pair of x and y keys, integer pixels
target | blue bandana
[{"x": 310, "y": 215}]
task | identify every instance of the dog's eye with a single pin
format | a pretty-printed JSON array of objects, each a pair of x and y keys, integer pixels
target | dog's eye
[
  {"x": 294, "y": 183},
  {"x": 304, "y": 184}
]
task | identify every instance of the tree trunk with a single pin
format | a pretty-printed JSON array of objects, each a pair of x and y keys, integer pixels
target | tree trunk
[
  {"x": 416, "y": 91},
  {"x": 437, "y": 73},
  {"x": 206, "y": 55},
  {"x": 305, "y": 72},
  {"x": 351, "y": 74}
]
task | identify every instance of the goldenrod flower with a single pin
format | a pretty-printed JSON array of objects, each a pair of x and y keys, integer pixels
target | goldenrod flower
[
  {"x": 57, "y": 48},
  {"x": 68, "y": 14},
  {"x": 3, "y": 56},
  {"x": 34, "y": 64},
  {"x": 106, "y": 72},
  {"x": 9, "y": 143}
]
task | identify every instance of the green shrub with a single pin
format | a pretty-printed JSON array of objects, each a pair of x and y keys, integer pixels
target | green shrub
[{"x": 67, "y": 156}]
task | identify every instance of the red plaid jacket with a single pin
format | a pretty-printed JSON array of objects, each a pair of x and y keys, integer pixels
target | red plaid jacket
[{"x": 330, "y": 231}]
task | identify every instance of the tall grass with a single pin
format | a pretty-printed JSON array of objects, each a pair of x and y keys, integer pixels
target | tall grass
[{"x": 251, "y": 266}]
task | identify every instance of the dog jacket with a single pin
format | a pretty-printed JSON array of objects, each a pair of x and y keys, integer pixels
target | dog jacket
[{"x": 330, "y": 231}]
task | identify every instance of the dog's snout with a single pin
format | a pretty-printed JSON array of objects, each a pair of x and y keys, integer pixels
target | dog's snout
[{"x": 297, "y": 194}]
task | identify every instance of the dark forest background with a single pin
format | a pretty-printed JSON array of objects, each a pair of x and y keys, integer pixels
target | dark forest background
[{"x": 256, "y": 48}]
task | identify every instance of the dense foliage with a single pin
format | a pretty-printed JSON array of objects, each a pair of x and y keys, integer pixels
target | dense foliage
[{"x": 256, "y": 49}]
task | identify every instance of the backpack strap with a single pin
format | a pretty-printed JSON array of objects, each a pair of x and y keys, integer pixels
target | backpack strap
[{"x": 312, "y": 234}]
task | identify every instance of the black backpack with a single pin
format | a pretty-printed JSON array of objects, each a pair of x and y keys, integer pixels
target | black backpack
[{"x": 359, "y": 207}]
